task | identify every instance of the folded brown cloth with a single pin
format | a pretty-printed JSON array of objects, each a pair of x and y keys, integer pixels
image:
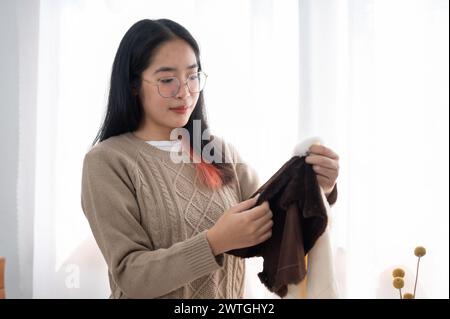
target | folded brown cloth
[{"x": 299, "y": 217}]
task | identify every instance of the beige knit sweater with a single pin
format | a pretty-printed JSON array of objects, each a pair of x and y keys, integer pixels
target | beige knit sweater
[{"x": 150, "y": 215}]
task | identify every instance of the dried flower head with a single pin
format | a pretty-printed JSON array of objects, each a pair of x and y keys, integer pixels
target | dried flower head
[
  {"x": 398, "y": 272},
  {"x": 408, "y": 296},
  {"x": 420, "y": 251},
  {"x": 398, "y": 282}
]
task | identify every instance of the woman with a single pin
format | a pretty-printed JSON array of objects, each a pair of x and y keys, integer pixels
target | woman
[{"x": 163, "y": 225}]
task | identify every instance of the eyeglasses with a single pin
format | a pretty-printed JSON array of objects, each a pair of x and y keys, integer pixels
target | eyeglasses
[{"x": 170, "y": 86}]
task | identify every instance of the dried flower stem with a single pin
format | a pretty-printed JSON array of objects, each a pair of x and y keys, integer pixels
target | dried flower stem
[
  {"x": 417, "y": 275},
  {"x": 400, "y": 290}
]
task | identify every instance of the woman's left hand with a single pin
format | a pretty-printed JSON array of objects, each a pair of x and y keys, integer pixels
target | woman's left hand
[{"x": 326, "y": 165}]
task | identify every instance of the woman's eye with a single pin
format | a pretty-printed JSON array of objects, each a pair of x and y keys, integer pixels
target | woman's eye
[
  {"x": 166, "y": 81},
  {"x": 193, "y": 77}
]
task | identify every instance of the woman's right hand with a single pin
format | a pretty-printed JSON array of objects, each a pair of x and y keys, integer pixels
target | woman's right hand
[{"x": 241, "y": 226}]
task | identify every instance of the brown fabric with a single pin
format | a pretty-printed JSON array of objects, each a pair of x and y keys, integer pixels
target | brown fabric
[{"x": 299, "y": 217}]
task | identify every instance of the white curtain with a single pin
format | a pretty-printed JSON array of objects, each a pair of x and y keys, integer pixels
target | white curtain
[
  {"x": 248, "y": 48},
  {"x": 370, "y": 77},
  {"x": 374, "y": 83}
]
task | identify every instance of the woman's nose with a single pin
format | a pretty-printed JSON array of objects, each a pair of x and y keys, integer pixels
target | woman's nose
[{"x": 183, "y": 91}]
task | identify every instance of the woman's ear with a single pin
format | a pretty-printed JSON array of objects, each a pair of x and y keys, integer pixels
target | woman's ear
[{"x": 134, "y": 91}]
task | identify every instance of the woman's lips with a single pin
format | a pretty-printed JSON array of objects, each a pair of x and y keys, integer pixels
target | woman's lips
[{"x": 180, "y": 110}]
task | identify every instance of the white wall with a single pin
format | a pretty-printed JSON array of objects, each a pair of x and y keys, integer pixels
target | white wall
[{"x": 9, "y": 127}]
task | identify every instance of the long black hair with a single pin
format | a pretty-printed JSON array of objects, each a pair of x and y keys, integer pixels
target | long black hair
[{"x": 124, "y": 110}]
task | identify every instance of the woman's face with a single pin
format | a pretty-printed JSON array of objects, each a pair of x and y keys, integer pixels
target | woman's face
[{"x": 174, "y": 58}]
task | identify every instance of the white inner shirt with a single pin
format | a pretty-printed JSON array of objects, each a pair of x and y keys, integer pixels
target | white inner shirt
[{"x": 168, "y": 146}]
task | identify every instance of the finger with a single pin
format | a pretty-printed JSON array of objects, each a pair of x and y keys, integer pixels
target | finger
[
  {"x": 265, "y": 236},
  {"x": 246, "y": 204},
  {"x": 322, "y": 161},
  {"x": 323, "y": 150},
  {"x": 264, "y": 219},
  {"x": 331, "y": 174},
  {"x": 324, "y": 182},
  {"x": 264, "y": 228},
  {"x": 258, "y": 211}
]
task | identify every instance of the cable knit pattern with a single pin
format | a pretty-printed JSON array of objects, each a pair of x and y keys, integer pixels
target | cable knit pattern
[{"x": 150, "y": 215}]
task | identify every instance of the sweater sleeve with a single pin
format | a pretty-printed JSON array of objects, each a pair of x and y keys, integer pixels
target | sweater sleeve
[
  {"x": 109, "y": 202},
  {"x": 247, "y": 176}
]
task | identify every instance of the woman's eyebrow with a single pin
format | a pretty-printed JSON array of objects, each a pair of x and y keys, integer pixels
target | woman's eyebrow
[{"x": 170, "y": 69}]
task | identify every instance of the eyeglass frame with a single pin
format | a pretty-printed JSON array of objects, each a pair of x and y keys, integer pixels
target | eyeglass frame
[{"x": 180, "y": 82}]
